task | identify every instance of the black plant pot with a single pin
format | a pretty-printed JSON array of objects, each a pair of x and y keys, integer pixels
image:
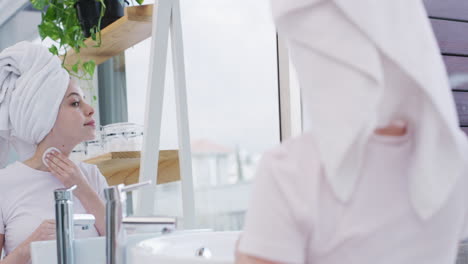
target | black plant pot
[{"x": 88, "y": 13}]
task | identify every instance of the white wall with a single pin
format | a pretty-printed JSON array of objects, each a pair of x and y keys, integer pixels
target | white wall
[{"x": 9, "y": 7}]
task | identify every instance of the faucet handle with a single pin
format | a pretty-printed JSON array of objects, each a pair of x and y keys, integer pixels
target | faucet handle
[
  {"x": 64, "y": 193},
  {"x": 118, "y": 192},
  {"x": 117, "y": 195},
  {"x": 132, "y": 187}
]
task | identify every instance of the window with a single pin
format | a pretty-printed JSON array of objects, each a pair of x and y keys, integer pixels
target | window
[{"x": 232, "y": 88}]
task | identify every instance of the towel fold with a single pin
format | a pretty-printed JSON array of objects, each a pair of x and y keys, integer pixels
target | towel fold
[
  {"x": 363, "y": 64},
  {"x": 32, "y": 86}
]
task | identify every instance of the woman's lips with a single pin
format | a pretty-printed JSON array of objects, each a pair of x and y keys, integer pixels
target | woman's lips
[{"x": 91, "y": 123}]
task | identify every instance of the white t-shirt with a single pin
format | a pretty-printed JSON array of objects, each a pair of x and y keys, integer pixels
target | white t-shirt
[
  {"x": 27, "y": 199},
  {"x": 294, "y": 216}
]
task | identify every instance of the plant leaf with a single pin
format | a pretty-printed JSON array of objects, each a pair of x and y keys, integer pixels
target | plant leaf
[
  {"x": 53, "y": 50},
  {"x": 50, "y": 14},
  {"x": 89, "y": 67},
  {"x": 42, "y": 32},
  {"x": 93, "y": 33},
  {"x": 39, "y": 4},
  {"x": 75, "y": 67},
  {"x": 140, "y": 2},
  {"x": 49, "y": 29},
  {"x": 60, "y": 23}
]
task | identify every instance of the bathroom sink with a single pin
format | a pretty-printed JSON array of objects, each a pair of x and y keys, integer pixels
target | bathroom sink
[
  {"x": 215, "y": 248},
  {"x": 87, "y": 250},
  {"x": 93, "y": 250}
]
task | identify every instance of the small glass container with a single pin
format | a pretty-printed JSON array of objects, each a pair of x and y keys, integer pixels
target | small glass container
[
  {"x": 122, "y": 137},
  {"x": 93, "y": 148},
  {"x": 78, "y": 153},
  {"x": 113, "y": 142},
  {"x": 134, "y": 141}
]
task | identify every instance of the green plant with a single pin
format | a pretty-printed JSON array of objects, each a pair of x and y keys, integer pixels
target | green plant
[{"x": 60, "y": 23}]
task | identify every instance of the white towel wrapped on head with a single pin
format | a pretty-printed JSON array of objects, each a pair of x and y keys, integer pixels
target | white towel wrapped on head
[
  {"x": 32, "y": 86},
  {"x": 363, "y": 64}
]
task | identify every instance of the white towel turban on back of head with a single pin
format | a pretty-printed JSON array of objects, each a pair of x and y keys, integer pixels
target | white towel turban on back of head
[
  {"x": 32, "y": 86},
  {"x": 361, "y": 64}
]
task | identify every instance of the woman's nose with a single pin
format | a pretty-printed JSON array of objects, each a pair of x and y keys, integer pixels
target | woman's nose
[{"x": 89, "y": 110}]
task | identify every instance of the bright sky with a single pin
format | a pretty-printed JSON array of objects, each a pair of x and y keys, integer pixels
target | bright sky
[{"x": 231, "y": 68}]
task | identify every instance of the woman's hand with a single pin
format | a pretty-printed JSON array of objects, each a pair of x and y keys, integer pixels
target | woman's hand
[
  {"x": 45, "y": 231},
  {"x": 69, "y": 174},
  {"x": 22, "y": 253},
  {"x": 65, "y": 170}
]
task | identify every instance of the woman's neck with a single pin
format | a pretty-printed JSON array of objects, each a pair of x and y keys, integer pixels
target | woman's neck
[{"x": 36, "y": 162}]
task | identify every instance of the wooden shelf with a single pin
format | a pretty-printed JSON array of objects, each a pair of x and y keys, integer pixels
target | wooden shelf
[
  {"x": 127, "y": 31},
  {"x": 124, "y": 167}
]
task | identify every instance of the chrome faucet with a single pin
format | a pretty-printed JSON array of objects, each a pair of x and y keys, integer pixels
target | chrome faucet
[
  {"x": 64, "y": 224},
  {"x": 65, "y": 221},
  {"x": 116, "y": 218}
]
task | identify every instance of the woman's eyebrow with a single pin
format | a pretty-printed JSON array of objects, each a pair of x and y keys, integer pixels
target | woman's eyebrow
[{"x": 77, "y": 94}]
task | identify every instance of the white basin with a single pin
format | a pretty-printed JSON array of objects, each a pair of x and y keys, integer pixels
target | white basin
[
  {"x": 91, "y": 250},
  {"x": 182, "y": 248},
  {"x": 87, "y": 250}
]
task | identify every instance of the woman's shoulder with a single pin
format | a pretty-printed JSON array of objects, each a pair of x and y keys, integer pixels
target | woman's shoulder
[
  {"x": 295, "y": 160},
  {"x": 293, "y": 172},
  {"x": 91, "y": 171},
  {"x": 301, "y": 150},
  {"x": 9, "y": 177},
  {"x": 93, "y": 175},
  {"x": 86, "y": 166},
  {"x": 11, "y": 169}
]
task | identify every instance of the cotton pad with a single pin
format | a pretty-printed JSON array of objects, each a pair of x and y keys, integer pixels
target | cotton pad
[{"x": 47, "y": 152}]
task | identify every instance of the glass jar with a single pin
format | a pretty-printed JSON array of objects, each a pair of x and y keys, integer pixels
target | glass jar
[
  {"x": 134, "y": 141},
  {"x": 78, "y": 153},
  {"x": 113, "y": 142},
  {"x": 123, "y": 137},
  {"x": 94, "y": 148}
]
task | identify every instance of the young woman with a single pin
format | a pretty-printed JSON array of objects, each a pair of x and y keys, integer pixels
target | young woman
[
  {"x": 381, "y": 174},
  {"x": 56, "y": 115}
]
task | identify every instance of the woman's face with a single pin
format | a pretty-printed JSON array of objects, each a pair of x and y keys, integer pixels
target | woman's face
[{"x": 75, "y": 121}]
